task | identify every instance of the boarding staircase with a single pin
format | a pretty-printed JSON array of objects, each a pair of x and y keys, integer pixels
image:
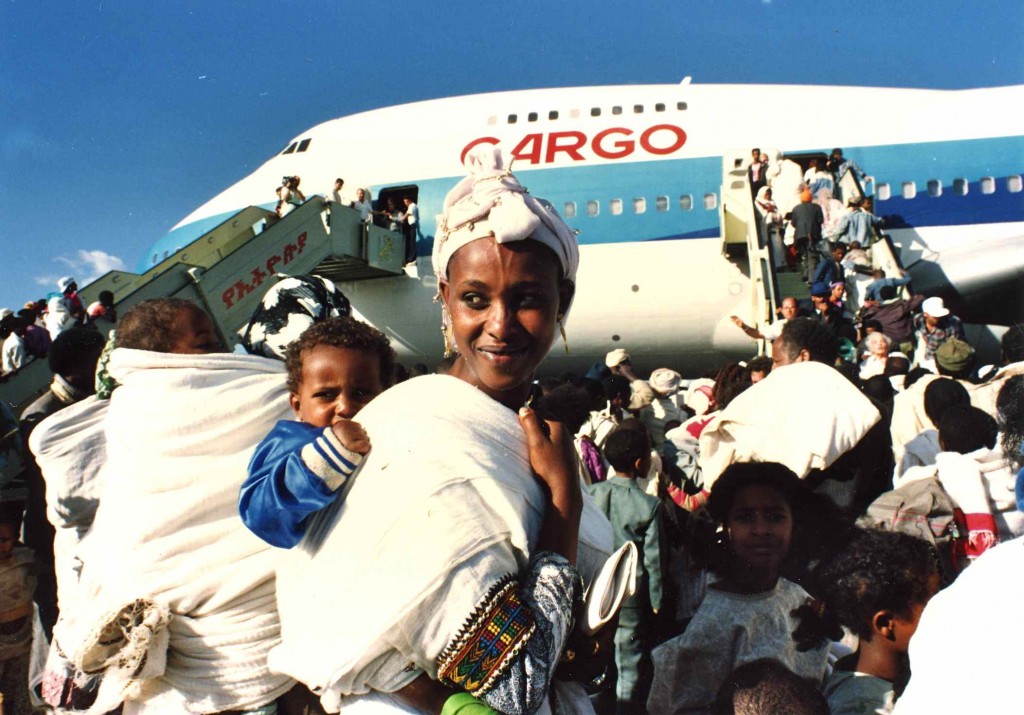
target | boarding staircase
[
  {"x": 744, "y": 234},
  {"x": 228, "y": 269},
  {"x": 745, "y": 239}
]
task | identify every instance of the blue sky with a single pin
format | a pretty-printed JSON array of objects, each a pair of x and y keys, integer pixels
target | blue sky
[{"x": 118, "y": 118}]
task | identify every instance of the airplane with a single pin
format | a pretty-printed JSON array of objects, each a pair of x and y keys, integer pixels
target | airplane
[{"x": 647, "y": 174}]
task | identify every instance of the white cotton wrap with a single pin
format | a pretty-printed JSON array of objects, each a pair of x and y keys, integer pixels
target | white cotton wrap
[
  {"x": 491, "y": 202},
  {"x": 70, "y": 447},
  {"x": 444, "y": 506},
  {"x": 804, "y": 416},
  {"x": 179, "y": 433}
]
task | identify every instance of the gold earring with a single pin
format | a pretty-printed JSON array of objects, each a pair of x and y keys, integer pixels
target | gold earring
[{"x": 565, "y": 340}]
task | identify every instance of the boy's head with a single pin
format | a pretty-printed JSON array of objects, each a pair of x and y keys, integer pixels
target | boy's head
[
  {"x": 335, "y": 368},
  {"x": 73, "y": 356},
  {"x": 766, "y": 687},
  {"x": 964, "y": 429},
  {"x": 942, "y": 394},
  {"x": 168, "y": 325},
  {"x": 878, "y": 585},
  {"x": 628, "y": 449}
]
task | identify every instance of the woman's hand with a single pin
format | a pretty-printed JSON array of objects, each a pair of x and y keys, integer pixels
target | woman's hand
[{"x": 553, "y": 460}]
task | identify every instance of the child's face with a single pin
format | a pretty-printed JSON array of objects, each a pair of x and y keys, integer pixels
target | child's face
[
  {"x": 335, "y": 384},
  {"x": 8, "y": 538},
  {"x": 194, "y": 334},
  {"x": 760, "y": 528},
  {"x": 906, "y": 625}
]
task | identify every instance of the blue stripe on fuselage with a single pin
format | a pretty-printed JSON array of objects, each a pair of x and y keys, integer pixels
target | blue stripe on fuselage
[{"x": 894, "y": 164}]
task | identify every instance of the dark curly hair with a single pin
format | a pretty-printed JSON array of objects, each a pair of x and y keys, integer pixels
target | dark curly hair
[
  {"x": 1010, "y": 408},
  {"x": 810, "y": 335},
  {"x": 875, "y": 571},
  {"x": 730, "y": 381},
  {"x": 341, "y": 332},
  {"x": 150, "y": 325}
]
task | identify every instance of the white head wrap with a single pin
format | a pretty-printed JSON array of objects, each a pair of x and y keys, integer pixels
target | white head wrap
[
  {"x": 665, "y": 381},
  {"x": 491, "y": 202},
  {"x": 616, "y": 357}
]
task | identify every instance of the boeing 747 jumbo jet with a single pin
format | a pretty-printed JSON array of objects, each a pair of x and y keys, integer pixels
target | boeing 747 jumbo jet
[{"x": 643, "y": 173}]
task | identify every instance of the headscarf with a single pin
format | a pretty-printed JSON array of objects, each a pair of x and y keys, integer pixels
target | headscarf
[
  {"x": 64, "y": 283},
  {"x": 492, "y": 202},
  {"x": 287, "y": 309},
  {"x": 665, "y": 381},
  {"x": 616, "y": 357}
]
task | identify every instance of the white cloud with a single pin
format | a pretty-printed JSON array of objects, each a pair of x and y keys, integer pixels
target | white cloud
[{"x": 85, "y": 266}]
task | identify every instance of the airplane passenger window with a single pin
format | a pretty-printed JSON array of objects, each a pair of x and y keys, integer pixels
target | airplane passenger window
[
  {"x": 593, "y": 208},
  {"x": 909, "y": 189},
  {"x": 659, "y": 107},
  {"x": 512, "y": 119},
  {"x": 661, "y": 203},
  {"x": 681, "y": 106},
  {"x": 640, "y": 205},
  {"x": 960, "y": 187},
  {"x": 492, "y": 119},
  {"x": 595, "y": 111},
  {"x": 531, "y": 117},
  {"x": 686, "y": 202},
  {"x": 1014, "y": 184},
  {"x": 934, "y": 187},
  {"x": 553, "y": 115},
  {"x": 155, "y": 257},
  {"x": 988, "y": 185},
  {"x": 569, "y": 210},
  {"x": 883, "y": 192},
  {"x": 291, "y": 148},
  {"x": 303, "y": 145},
  {"x": 574, "y": 113},
  {"x": 638, "y": 109},
  {"x": 710, "y": 201},
  {"x": 615, "y": 206},
  {"x": 616, "y": 110}
]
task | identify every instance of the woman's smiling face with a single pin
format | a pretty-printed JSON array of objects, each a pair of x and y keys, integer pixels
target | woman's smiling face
[{"x": 504, "y": 301}]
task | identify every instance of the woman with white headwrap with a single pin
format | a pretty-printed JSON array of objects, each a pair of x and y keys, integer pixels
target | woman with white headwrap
[
  {"x": 832, "y": 209},
  {"x": 448, "y": 557}
]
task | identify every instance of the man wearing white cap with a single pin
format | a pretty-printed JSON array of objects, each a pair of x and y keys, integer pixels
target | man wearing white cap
[
  {"x": 933, "y": 327},
  {"x": 618, "y": 362}
]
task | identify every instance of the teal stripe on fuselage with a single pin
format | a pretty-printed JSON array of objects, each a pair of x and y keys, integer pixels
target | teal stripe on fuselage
[{"x": 945, "y": 161}]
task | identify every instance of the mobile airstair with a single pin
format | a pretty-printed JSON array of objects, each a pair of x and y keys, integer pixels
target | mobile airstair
[{"x": 226, "y": 271}]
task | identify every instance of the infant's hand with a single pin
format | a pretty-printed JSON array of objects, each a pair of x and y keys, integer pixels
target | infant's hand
[
  {"x": 551, "y": 453},
  {"x": 352, "y": 436}
]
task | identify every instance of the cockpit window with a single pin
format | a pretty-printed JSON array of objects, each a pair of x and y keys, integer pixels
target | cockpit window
[
  {"x": 304, "y": 144},
  {"x": 291, "y": 148}
]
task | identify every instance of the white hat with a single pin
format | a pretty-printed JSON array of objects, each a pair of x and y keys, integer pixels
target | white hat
[
  {"x": 665, "y": 381},
  {"x": 63, "y": 283},
  {"x": 935, "y": 308},
  {"x": 616, "y": 357}
]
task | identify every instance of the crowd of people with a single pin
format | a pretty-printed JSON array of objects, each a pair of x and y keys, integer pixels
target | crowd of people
[
  {"x": 404, "y": 219},
  {"x": 306, "y": 526}
]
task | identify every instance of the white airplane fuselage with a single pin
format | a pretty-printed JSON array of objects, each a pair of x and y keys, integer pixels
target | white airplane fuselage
[{"x": 637, "y": 170}]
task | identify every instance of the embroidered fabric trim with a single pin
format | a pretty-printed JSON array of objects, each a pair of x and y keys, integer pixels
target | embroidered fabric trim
[{"x": 491, "y": 637}]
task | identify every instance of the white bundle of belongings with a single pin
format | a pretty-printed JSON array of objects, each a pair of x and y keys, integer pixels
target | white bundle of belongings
[
  {"x": 805, "y": 416},
  {"x": 176, "y": 609}
]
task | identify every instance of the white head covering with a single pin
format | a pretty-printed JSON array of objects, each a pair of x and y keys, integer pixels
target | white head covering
[
  {"x": 665, "y": 381},
  {"x": 935, "y": 308},
  {"x": 63, "y": 283},
  {"x": 491, "y": 202},
  {"x": 616, "y": 357}
]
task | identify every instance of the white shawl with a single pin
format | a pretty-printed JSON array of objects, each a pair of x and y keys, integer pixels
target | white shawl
[
  {"x": 445, "y": 505},
  {"x": 70, "y": 447},
  {"x": 179, "y": 431},
  {"x": 804, "y": 416}
]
